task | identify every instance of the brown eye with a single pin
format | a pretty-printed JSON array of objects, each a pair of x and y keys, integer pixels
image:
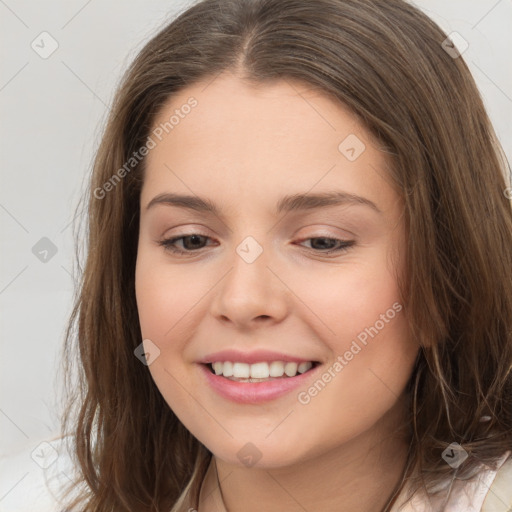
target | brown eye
[
  {"x": 329, "y": 245},
  {"x": 190, "y": 243}
]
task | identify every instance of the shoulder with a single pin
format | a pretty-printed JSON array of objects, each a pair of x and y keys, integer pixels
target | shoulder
[
  {"x": 487, "y": 491},
  {"x": 499, "y": 496}
]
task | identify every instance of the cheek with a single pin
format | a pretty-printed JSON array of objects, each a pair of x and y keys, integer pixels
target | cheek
[
  {"x": 165, "y": 297},
  {"x": 351, "y": 297},
  {"x": 166, "y": 314},
  {"x": 363, "y": 381},
  {"x": 367, "y": 334}
]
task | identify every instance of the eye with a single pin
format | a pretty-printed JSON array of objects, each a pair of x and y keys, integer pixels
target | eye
[
  {"x": 191, "y": 243},
  {"x": 194, "y": 242},
  {"x": 327, "y": 245}
]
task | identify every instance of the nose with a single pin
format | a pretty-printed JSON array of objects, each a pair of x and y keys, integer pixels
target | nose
[{"x": 250, "y": 294}]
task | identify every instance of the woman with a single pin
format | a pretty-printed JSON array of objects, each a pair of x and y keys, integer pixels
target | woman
[{"x": 297, "y": 294}]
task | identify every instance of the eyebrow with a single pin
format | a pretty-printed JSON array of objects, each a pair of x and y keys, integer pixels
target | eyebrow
[{"x": 290, "y": 203}]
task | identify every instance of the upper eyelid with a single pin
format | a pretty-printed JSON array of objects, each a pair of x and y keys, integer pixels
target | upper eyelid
[
  {"x": 198, "y": 233},
  {"x": 191, "y": 229}
]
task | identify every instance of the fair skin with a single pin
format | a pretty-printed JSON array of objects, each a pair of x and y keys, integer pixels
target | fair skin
[{"x": 243, "y": 148}]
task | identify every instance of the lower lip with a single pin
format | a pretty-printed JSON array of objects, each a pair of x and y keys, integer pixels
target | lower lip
[{"x": 255, "y": 392}]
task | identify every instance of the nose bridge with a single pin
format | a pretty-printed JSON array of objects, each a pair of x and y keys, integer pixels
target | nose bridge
[
  {"x": 248, "y": 281},
  {"x": 249, "y": 290}
]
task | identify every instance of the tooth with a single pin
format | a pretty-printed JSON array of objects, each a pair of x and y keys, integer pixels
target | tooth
[
  {"x": 259, "y": 371},
  {"x": 217, "y": 367},
  {"x": 304, "y": 367},
  {"x": 276, "y": 369},
  {"x": 241, "y": 370},
  {"x": 227, "y": 370},
  {"x": 290, "y": 369}
]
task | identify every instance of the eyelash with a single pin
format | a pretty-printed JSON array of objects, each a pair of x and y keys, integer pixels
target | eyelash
[{"x": 168, "y": 244}]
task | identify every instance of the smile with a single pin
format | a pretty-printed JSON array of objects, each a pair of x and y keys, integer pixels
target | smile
[{"x": 258, "y": 382}]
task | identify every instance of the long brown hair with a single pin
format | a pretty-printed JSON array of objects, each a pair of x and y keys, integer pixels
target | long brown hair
[{"x": 384, "y": 59}]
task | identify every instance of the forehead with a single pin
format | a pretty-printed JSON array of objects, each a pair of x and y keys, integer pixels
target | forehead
[
  {"x": 260, "y": 139},
  {"x": 229, "y": 106}
]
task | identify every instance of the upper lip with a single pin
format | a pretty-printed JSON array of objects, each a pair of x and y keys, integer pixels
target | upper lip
[{"x": 255, "y": 356}]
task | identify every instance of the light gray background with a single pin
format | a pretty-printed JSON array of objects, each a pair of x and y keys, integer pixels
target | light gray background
[{"x": 51, "y": 118}]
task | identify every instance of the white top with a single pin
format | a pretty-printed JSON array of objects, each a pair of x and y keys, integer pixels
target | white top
[
  {"x": 487, "y": 491},
  {"x": 31, "y": 480}
]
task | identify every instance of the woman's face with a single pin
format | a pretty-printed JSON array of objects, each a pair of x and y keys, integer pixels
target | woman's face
[{"x": 298, "y": 244}]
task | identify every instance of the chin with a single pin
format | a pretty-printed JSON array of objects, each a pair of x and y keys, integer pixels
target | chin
[{"x": 253, "y": 452}]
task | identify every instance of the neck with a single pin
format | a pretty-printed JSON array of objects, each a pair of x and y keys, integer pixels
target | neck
[{"x": 362, "y": 475}]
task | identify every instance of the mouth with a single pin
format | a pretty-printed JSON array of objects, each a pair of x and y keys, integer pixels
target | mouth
[{"x": 259, "y": 382}]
